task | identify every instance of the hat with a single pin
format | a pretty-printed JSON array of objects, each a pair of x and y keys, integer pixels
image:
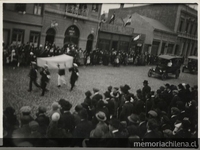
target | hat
[
  {"x": 88, "y": 93},
  {"x": 101, "y": 116},
  {"x": 78, "y": 107},
  {"x": 42, "y": 109},
  {"x": 175, "y": 110},
  {"x": 145, "y": 81},
  {"x": 33, "y": 125},
  {"x": 115, "y": 123},
  {"x": 133, "y": 118},
  {"x": 175, "y": 91},
  {"x": 66, "y": 105},
  {"x": 95, "y": 90},
  {"x": 25, "y": 109},
  {"x": 33, "y": 63},
  {"x": 75, "y": 65},
  {"x": 110, "y": 88},
  {"x": 55, "y": 106},
  {"x": 116, "y": 88},
  {"x": 167, "y": 85},
  {"x": 96, "y": 133},
  {"x": 153, "y": 113},
  {"x": 55, "y": 116},
  {"x": 126, "y": 87}
]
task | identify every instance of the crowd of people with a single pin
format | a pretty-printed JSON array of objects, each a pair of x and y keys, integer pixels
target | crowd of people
[
  {"x": 116, "y": 118},
  {"x": 23, "y": 54}
]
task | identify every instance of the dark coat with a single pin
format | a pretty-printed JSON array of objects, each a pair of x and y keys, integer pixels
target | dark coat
[
  {"x": 44, "y": 74},
  {"x": 127, "y": 110},
  {"x": 74, "y": 76},
  {"x": 43, "y": 122},
  {"x": 96, "y": 98},
  {"x": 111, "y": 106},
  {"x": 142, "y": 129},
  {"x": 146, "y": 90},
  {"x": 68, "y": 122},
  {"x": 61, "y": 72},
  {"x": 33, "y": 73},
  {"x": 83, "y": 129}
]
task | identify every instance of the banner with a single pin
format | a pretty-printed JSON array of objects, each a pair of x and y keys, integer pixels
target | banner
[{"x": 63, "y": 61}]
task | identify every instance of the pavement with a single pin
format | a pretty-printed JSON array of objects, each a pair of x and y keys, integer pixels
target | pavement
[{"x": 16, "y": 82}]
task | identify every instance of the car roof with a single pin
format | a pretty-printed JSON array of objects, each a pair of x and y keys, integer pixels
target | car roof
[
  {"x": 168, "y": 57},
  {"x": 193, "y": 57}
]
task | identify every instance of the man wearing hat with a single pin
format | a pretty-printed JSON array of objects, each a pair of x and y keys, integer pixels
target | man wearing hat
[
  {"x": 74, "y": 75},
  {"x": 45, "y": 78},
  {"x": 67, "y": 119},
  {"x": 33, "y": 76},
  {"x": 146, "y": 89},
  {"x": 96, "y": 97}
]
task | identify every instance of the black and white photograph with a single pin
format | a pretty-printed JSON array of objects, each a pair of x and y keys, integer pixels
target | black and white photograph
[{"x": 100, "y": 75}]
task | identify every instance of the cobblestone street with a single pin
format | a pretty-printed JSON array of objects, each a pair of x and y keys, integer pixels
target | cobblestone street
[{"x": 15, "y": 84}]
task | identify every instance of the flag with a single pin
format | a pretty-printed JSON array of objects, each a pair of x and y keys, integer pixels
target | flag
[
  {"x": 112, "y": 18},
  {"x": 136, "y": 38},
  {"x": 128, "y": 22}
]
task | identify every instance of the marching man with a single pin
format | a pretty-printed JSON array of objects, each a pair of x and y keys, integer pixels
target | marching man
[
  {"x": 61, "y": 76},
  {"x": 74, "y": 75},
  {"x": 45, "y": 78}
]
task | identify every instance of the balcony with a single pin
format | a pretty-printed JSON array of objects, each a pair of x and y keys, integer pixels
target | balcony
[
  {"x": 187, "y": 35},
  {"x": 77, "y": 12}
]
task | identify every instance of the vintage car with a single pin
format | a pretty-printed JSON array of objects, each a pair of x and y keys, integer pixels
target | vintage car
[
  {"x": 167, "y": 64},
  {"x": 192, "y": 64}
]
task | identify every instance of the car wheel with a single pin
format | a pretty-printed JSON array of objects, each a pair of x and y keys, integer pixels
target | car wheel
[
  {"x": 164, "y": 76},
  {"x": 150, "y": 73},
  {"x": 177, "y": 74}
]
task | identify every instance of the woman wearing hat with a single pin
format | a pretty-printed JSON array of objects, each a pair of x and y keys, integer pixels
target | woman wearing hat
[{"x": 74, "y": 75}]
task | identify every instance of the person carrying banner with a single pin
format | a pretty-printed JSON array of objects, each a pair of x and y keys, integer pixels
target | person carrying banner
[
  {"x": 74, "y": 75},
  {"x": 33, "y": 76},
  {"x": 45, "y": 78},
  {"x": 61, "y": 76}
]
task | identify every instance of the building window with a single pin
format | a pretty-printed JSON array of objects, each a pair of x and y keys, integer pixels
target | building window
[
  {"x": 191, "y": 29},
  {"x": 17, "y": 36},
  {"x": 187, "y": 26},
  {"x": 20, "y": 7},
  {"x": 38, "y": 9},
  {"x": 94, "y": 7},
  {"x": 34, "y": 38},
  {"x": 181, "y": 26}
]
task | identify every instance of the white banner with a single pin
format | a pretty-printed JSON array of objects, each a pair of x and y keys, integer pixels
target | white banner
[{"x": 63, "y": 61}]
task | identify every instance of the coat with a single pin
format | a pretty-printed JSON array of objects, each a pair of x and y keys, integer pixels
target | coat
[
  {"x": 96, "y": 98},
  {"x": 83, "y": 129},
  {"x": 127, "y": 110},
  {"x": 68, "y": 122},
  {"x": 74, "y": 75}
]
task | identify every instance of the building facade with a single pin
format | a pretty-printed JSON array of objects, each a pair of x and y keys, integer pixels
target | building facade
[
  {"x": 114, "y": 37},
  {"x": 52, "y": 23},
  {"x": 179, "y": 18}
]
